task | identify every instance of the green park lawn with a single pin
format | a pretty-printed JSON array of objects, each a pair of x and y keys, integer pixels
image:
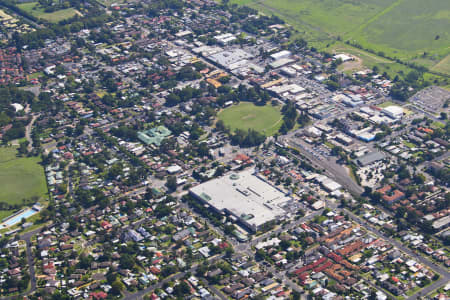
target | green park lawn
[
  {"x": 264, "y": 119},
  {"x": 386, "y": 104},
  {"x": 34, "y": 9},
  {"x": 20, "y": 177}
]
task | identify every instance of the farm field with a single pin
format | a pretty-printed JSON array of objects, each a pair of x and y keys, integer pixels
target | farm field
[
  {"x": 21, "y": 177},
  {"x": 399, "y": 28},
  {"x": 408, "y": 28},
  {"x": 56, "y": 16},
  {"x": 264, "y": 119}
]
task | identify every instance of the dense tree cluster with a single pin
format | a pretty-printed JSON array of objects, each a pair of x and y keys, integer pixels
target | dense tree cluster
[
  {"x": 125, "y": 133},
  {"x": 88, "y": 198},
  {"x": 155, "y": 8},
  {"x": 9, "y": 95},
  {"x": 253, "y": 25},
  {"x": 251, "y": 94},
  {"x": 289, "y": 117},
  {"x": 35, "y": 39},
  {"x": 249, "y": 138},
  {"x": 182, "y": 95}
]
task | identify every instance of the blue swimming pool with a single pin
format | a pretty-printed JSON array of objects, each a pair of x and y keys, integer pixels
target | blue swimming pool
[{"x": 16, "y": 219}]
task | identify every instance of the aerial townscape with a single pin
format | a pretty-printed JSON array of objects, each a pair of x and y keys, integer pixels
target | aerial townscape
[{"x": 243, "y": 149}]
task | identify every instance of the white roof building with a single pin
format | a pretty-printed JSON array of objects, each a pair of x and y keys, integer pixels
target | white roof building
[
  {"x": 245, "y": 196},
  {"x": 173, "y": 169},
  {"x": 393, "y": 111},
  {"x": 17, "y": 106},
  {"x": 225, "y": 38},
  {"x": 343, "y": 57},
  {"x": 281, "y": 54}
]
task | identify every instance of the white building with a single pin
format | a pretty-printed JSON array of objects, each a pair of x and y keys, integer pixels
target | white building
[
  {"x": 225, "y": 39},
  {"x": 343, "y": 57},
  {"x": 281, "y": 54},
  {"x": 245, "y": 196},
  {"x": 393, "y": 111}
]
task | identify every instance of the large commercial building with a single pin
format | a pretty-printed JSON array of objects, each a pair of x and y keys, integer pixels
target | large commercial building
[
  {"x": 393, "y": 111},
  {"x": 245, "y": 196},
  {"x": 231, "y": 59}
]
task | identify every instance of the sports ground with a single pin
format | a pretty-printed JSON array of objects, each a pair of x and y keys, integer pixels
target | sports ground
[
  {"x": 34, "y": 9},
  {"x": 246, "y": 115},
  {"x": 20, "y": 177}
]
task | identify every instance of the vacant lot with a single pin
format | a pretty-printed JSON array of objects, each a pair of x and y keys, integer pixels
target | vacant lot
[
  {"x": 443, "y": 66},
  {"x": 56, "y": 16},
  {"x": 367, "y": 60},
  {"x": 399, "y": 28},
  {"x": 265, "y": 119},
  {"x": 20, "y": 177}
]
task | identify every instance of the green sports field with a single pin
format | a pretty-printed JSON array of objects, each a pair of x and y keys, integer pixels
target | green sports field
[
  {"x": 34, "y": 9},
  {"x": 399, "y": 28},
  {"x": 264, "y": 119},
  {"x": 20, "y": 177}
]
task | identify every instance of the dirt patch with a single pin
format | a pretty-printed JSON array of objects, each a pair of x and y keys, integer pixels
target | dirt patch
[
  {"x": 247, "y": 117},
  {"x": 352, "y": 65},
  {"x": 443, "y": 66}
]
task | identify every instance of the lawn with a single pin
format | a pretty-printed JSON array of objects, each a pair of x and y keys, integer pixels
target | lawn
[
  {"x": 265, "y": 119},
  {"x": 409, "y": 144},
  {"x": 443, "y": 66},
  {"x": 56, "y": 16},
  {"x": 437, "y": 124},
  {"x": 36, "y": 75},
  {"x": 5, "y": 213},
  {"x": 386, "y": 104},
  {"x": 21, "y": 177}
]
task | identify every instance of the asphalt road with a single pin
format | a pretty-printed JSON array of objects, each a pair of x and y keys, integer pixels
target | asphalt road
[
  {"x": 28, "y": 132},
  {"x": 140, "y": 294},
  {"x": 337, "y": 172},
  {"x": 445, "y": 275},
  {"x": 27, "y": 238}
]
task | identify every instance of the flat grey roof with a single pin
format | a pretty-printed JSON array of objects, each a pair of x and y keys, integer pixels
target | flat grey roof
[
  {"x": 244, "y": 195},
  {"x": 370, "y": 158},
  {"x": 229, "y": 57}
]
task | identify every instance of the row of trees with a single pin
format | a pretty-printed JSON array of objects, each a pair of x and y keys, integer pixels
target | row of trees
[
  {"x": 250, "y": 94},
  {"x": 291, "y": 117},
  {"x": 182, "y": 95},
  {"x": 249, "y": 138}
]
